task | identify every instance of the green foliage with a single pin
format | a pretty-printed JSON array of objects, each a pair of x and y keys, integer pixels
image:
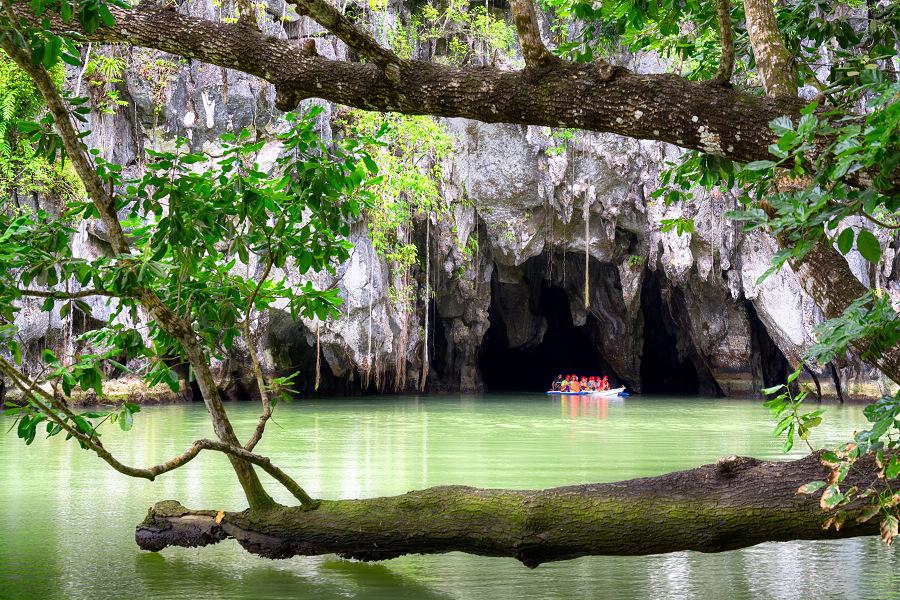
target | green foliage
[
  {"x": 881, "y": 440},
  {"x": 159, "y": 73},
  {"x": 785, "y": 408},
  {"x": 468, "y": 32},
  {"x": 560, "y": 138},
  {"x": 825, "y": 194},
  {"x": 102, "y": 73},
  {"x": 870, "y": 317},
  {"x": 191, "y": 220},
  {"x": 681, "y": 225},
  {"x": 683, "y": 31},
  {"x": 634, "y": 261},
  {"x": 409, "y": 161},
  {"x": 22, "y": 168}
]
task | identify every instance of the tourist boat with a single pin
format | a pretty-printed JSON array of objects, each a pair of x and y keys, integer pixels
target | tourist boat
[{"x": 604, "y": 393}]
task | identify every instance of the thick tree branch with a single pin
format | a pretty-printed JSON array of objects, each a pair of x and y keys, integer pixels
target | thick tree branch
[
  {"x": 773, "y": 61},
  {"x": 533, "y": 50},
  {"x": 726, "y": 41},
  {"x": 585, "y": 96},
  {"x": 735, "y": 503}
]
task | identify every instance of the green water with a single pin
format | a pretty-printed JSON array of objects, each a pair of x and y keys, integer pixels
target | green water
[{"x": 66, "y": 520}]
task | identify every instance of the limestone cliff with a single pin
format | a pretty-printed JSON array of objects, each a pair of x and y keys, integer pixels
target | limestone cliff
[{"x": 549, "y": 258}]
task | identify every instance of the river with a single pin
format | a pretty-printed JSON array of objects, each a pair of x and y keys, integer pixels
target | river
[{"x": 67, "y": 520}]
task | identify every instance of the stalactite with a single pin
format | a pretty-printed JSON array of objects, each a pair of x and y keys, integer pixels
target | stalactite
[
  {"x": 318, "y": 356},
  {"x": 587, "y": 248},
  {"x": 404, "y": 316},
  {"x": 368, "y": 372},
  {"x": 424, "y": 376}
]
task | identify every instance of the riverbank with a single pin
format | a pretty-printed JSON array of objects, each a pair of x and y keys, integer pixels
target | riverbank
[
  {"x": 135, "y": 390},
  {"x": 115, "y": 391}
]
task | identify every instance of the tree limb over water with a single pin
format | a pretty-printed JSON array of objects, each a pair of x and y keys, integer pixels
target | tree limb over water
[{"x": 734, "y": 503}]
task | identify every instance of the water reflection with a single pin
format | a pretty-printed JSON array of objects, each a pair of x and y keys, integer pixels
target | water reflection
[{"x": 596, "y": 407}]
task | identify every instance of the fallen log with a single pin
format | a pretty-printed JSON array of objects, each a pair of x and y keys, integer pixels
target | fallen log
[{"x": 734, "y": 503}]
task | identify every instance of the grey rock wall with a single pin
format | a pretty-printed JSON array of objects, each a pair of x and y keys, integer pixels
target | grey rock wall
[{"x": 580, "y": 218}]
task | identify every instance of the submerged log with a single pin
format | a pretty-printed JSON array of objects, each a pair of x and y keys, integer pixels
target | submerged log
[{"x": 734, "y": 503}]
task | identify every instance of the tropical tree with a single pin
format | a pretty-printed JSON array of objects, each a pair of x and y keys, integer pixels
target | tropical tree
[{"x": 802, "y": 169}]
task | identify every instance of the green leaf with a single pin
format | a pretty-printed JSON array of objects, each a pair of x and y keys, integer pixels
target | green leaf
[
  {"x": 893, "y": 468},
  {"x": 868, "y": 246},
  {"x": 126, "y": 420},
  {"x": 810, "y": 487},
  {"x": 759, "y": 165},
  {"x": 845, "y": 241},
  {"x": 831, "y": 496}
]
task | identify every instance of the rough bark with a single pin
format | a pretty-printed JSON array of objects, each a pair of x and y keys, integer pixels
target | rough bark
[
  {"x": 734, "y": 503},
  {"x": 592, "y": 96},
  {"x": 534, "y": 52},
  {"x": 726, "y": 41},
  {"x": 773, "y": 61},
  {"x": 827, "y": 278}
]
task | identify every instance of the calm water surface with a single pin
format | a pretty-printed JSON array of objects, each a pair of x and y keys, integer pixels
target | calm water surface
[{"x": 67, "y": 520}]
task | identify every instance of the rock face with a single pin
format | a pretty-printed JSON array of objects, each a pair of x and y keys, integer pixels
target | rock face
[{"x": 549, "y": 258}]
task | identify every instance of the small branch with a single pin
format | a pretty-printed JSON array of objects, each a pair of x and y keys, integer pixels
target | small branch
[
  {"x": 254, "y": 359},
  {"x": 726, "y": 40},
  {"x": 35, "y": 394},
  {"x": 329, "y": 17},
  {"x": 58, "y": 295},
  {"x": 533, "y": 49},
  {"x": 70, "y": 138},
  {"x": 878, "y": 222}
]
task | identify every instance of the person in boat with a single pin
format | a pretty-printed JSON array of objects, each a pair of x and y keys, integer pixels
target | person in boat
[
  {"x": 575, "y": 386},
  {"x": 557, "y": 383},
  {"x": 584, "y": 384},
  {"x": 593, "y": 384},
  {"x": 604, "y": 385},
  {"x": 565, "y": 384}
]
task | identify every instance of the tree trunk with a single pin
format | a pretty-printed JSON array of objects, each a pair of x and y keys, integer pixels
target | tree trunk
[
  {"x": 734, "y": 503},
  {"x": 827, "y": 278},
  {"x": 824, "y": 274}
]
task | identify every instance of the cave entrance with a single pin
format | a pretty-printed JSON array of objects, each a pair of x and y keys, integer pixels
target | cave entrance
[
  {"x": 663, "y": 369},
  {"x": 563, "y": 348}
]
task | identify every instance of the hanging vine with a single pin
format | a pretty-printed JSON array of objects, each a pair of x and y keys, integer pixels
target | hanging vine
[{"x": 409, "y": 164}]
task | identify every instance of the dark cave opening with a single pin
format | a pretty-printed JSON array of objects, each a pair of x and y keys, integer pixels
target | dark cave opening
[
  {"x": 563, "y": 349},
  {"x": 663, "y": 371}
]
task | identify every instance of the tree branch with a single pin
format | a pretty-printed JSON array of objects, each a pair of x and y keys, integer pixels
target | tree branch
[
  {"x": 726, "y": 41},
  {"x": 773, "y": 61},
  {"x": 735, "y": 503},
  {"x": 104, "y": 201},
  {"x": 533, "y": 50},
  {"x": 254, "y": 360},
  {"x": 329, "y": 17},
  {"x": 593, "y": 97},
  {"x": 60, "y": 295}
]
